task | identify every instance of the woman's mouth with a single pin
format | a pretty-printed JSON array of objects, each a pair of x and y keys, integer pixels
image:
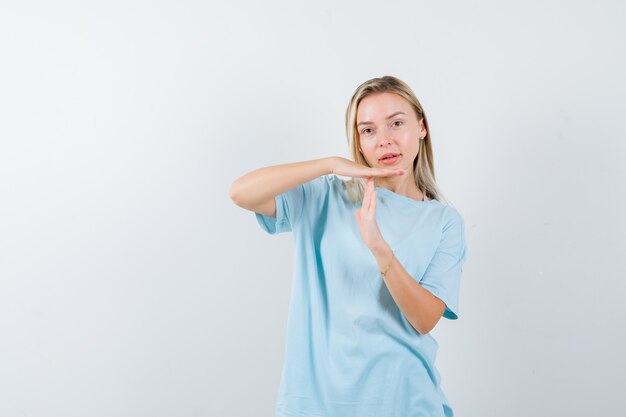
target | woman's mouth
[{"x": 390, "y": 159}]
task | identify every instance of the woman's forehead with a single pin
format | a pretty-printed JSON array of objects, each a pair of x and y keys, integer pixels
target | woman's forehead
[{"x": 382, "y": 105}]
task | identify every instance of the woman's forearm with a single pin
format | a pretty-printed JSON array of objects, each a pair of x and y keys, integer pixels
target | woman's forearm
[
  {"x": 260, "y": 185},
  {"x": 421, "y": 308}
]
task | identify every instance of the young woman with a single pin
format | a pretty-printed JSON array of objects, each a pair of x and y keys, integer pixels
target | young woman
[{"x": 378, "y": 261}]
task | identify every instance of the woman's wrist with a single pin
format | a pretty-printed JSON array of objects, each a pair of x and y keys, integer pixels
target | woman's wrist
[
  {"x": 384, "y": 257},
  {"x": 330, "y": 164}
]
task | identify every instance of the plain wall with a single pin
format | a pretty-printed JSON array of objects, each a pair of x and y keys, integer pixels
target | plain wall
[{"x": 130, "y": 284}]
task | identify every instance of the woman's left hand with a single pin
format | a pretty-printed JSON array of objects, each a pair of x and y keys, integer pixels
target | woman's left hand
[{"x": 366, "y": 219}]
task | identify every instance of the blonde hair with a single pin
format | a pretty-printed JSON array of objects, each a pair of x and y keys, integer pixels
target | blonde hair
[{"x": 423, "y": 166}]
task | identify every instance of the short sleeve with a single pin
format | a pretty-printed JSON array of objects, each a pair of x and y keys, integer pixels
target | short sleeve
[
  {"x": 292, "y": 205},
  {"x": 443, "y": 275}
]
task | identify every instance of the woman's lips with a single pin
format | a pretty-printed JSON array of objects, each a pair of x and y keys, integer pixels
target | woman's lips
[{"x": 391, "y": 161}]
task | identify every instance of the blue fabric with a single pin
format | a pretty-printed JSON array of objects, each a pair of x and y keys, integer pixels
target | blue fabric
[{"x": 350, "y": 352}]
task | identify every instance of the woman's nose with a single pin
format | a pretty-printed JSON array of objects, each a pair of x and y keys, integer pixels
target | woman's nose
[{"x": 385, "y": 139}]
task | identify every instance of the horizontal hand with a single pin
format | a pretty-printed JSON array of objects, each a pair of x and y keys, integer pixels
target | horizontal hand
[{"x": 348, "y": 168}]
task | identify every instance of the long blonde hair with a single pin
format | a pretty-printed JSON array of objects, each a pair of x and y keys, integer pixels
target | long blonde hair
[{"x": 423, "y": 166}]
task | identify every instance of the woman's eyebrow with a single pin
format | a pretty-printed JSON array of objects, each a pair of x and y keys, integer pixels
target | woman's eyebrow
[{"x": 388, "y": 117}]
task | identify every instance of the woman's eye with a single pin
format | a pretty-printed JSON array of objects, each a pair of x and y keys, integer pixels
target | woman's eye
[
  {"x": 398, "y": 121},
  {"x": 366, "y": 130}
]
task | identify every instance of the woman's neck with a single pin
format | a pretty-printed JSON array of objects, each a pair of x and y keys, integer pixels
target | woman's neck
[{"x": 403, "y": 185}]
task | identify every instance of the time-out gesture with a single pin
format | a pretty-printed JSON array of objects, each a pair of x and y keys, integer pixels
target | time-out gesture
[{"x": 256, "y": 190}]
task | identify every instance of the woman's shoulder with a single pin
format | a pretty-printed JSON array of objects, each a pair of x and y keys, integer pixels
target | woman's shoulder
[{"x": 452, "y": 219}]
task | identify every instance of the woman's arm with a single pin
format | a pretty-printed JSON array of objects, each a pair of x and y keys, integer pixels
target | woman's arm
[
  {"x": 420, "y": 307},
  {"x": 256, "y": 190}
]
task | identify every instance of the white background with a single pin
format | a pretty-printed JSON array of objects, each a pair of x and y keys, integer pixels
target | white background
[{"x": 130, "y": 285}]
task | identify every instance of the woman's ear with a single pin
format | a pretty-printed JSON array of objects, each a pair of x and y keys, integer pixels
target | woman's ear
[{"x": 422, "y": 129}]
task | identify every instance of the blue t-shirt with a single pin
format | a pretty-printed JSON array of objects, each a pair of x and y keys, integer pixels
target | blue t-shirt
[{"x": 350, "y": 352}]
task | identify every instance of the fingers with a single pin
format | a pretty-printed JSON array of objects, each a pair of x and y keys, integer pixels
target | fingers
[
  {"x": 370, "y": 184},
  {"x": 366, "y": 196},
  {"x": 371, "y": 195},
  {"x": 364, "y": 171},
  {"x": 368, "y": 206},
  {"x": 373, "y": 203},
  {"x": 381, "y": 172}
]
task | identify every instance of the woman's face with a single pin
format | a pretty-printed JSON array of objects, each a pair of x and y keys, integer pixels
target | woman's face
[{"x": 387, "y": 126}]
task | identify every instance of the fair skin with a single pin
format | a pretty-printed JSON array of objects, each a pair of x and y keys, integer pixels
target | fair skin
[
  {"x": 386, "y": 123},
  {"x": 256, "y": 191}
]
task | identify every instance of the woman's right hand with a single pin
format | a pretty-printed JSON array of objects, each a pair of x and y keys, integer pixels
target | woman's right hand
[{"x": 347, "y": 168}]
